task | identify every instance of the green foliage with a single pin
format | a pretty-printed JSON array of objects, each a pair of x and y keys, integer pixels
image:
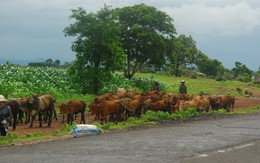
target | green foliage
[
  {"x": 245, "y": 77},
  {"x": 220, "y": 78},
  {"x": 141, "y": 84},
  {"x": 13, "y": 137},
  {"x": 210, "y": 67},
  {"x": 182, "y": 51},
  {"x": 8, "y": 138},
  {"x": 18, "y": 81},
  {"x": 241, "y": 70},
  {"x": 130, "y": 122},
  {"x": 117, "y": 81},
  {"x": 63, "y": 129},
  {"x": 97, "y": 46},
  {"x": 155, "y": 116},
  {"x": 144, "y": 33},
  {"x": 245, "y": 111}
]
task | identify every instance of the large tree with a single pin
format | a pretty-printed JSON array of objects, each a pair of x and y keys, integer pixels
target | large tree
[
  {"x": 182, "y": 51},
  {"x": 210, "y": 67},
  {"x": 241, "y": 69},
  {"x": 97, "y": 47},
  {"x": 144, "y": 34}
]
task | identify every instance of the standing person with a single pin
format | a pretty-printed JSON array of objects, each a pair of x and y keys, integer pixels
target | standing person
[
  {"x": 156, "y": 86},
  {"x": 183, "y": 88},
  {"x": 5, "y": 116}
]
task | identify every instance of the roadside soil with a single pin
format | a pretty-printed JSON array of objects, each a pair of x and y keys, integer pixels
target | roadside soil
[{"x": 23, "y": 129}]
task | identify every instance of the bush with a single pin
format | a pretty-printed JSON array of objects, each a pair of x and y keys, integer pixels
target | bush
[{"x": 220, "y": 78}]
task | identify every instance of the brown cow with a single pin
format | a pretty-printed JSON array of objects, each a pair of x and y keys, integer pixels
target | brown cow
[
  {"x": 64, "y": 109},
  {"x": 109, "y": 108},
  {"x": 74, "y": 107},
  {"x": 41, "y": 104},
  {"x": 188, "y": 104},
  {"x": 177, "y": 105},
  {"x": 225, "y": 102},
  {"x": 131, "y": 93},
  {"x": 161, "y": 105},
  {"x": 103, "y": 97},
  {"x": 133, "y": 106},
  {"x": 93, "y": 109},
  {"x": 203, "y": 103},
  {"x": 146, "y": 105}
]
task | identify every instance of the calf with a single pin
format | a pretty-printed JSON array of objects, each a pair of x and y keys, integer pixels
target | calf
[{"x": 73, "y": 107}]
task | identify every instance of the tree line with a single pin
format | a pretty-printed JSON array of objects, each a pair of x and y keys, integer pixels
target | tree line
[
  {"x": 49, "y": 63},
  {"x": 131, "y": 39}
]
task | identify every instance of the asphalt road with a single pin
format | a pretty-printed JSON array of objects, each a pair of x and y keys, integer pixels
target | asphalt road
[{"x": 216, "y": 140}]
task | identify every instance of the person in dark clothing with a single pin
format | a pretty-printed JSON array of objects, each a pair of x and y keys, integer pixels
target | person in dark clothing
[
  {"x": 5, "y": 116},
  {"x": 156, "y": 86},
  {"x": 183, "y": 88}
]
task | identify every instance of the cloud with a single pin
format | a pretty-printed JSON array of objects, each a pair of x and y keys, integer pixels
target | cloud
[{"x": 228, "y": 20}]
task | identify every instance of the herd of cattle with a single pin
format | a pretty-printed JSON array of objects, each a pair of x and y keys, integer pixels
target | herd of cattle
[
  {"x": 124, "y": 103},
  {"x": 118, "y": 106}
]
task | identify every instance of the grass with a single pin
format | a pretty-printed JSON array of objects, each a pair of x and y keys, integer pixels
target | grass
[
  {"x": 14, "y": 138},
  {"x": 207, "y": 85}
]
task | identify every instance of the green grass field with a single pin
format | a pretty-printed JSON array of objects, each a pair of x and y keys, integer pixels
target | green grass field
[{"x": 207, "y": 85}]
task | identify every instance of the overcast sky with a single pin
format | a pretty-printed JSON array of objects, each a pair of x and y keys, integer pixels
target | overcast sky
[{"x": 227, "y": 30}]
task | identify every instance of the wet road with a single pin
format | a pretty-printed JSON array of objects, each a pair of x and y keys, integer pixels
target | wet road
[{"x": 180, "y": 143}]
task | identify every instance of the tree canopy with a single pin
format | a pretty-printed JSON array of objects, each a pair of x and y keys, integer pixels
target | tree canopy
[
  {"x": 97, "y": 46},
  {"x": 182, "y": 51},
  {"x": 144, "y": 33}
]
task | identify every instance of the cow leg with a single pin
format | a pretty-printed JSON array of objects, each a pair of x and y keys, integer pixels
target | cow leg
[
  {"x": 15, "y": 121},
  {"x": 82, "y": 118},
  {"x": 20, "y": 116},
  {"x": 27, "y": 117},
  {"x": 40, "y": 118},
  {"x": 63, "y": 116},
  {"x": 103, "y": 118},
  {"x": 69, "y": 118},
  {"x": 32, "y": 119},
  {"x": 45, "y": 115},
  {"x": 76, "y": 114},
  {"x": 96, "y": 117},
  {"x": 50, "y": 118},
  {"x": 55, "y": 114}
]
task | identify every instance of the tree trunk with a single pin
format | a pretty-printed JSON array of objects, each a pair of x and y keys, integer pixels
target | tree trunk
[
  {"x": 95, "y": 86},
  {"x": 176, "y": 69}
]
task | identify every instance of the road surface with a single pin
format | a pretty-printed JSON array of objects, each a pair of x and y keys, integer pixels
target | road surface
[{"x": 215, "y": 140}]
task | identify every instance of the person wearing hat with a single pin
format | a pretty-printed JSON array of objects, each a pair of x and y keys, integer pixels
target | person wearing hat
[
  {"x": 183, "y": 88},
  {"x": 5, "y": 115},
  {"x": 156, "y": 86}
]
